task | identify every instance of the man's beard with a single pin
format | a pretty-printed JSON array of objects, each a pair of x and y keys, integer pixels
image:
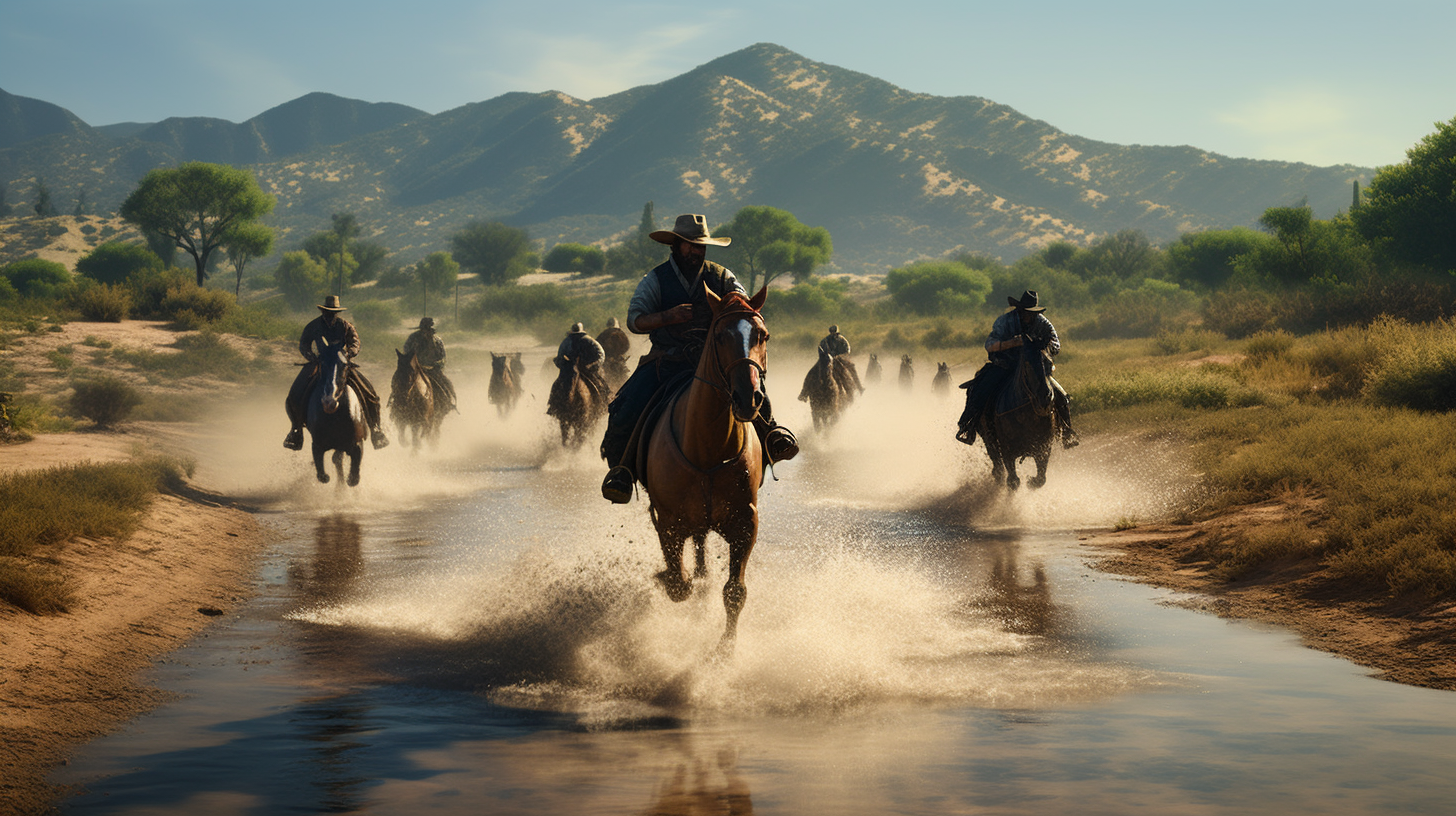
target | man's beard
[{"x": 688, "y": 265}]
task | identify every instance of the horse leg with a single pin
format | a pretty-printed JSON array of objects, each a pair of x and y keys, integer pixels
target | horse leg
[
  {"x": 339, "y": 462},
  {"x": 1013, "y": 481},
  {"x": 1041, "y": 465},
  {"x": 318, "y": 463},
  {"x": 671, "y": 578},
  {"x": 700, "y": 555},
  {"x": 993, "y": 450},
  {"x": 741, "y": 537}
]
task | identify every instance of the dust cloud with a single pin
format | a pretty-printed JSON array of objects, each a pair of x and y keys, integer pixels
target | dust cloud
[{"x": 888, "y": 570}]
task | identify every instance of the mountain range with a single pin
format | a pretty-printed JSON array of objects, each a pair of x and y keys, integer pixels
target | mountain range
[{"x": 894, "y": 175}]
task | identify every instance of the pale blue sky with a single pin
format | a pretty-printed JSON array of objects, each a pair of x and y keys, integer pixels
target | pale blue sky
[{"x": 1319, "y": 82}]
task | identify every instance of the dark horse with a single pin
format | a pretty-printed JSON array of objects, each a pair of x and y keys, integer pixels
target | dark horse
[
  {"x": 505, "y": 382},
  {"x": 829, "y": 388},
  {"x": 412, "y": 401},
  {"x": 872, "y": 371},
  {"x": 577, "y": 401},
  {"x": 335, "y": 416},
  {"x": 1019, "y": 422},
  {"x": 907, "y": 373},
  {"x": 704, "y": 461}
]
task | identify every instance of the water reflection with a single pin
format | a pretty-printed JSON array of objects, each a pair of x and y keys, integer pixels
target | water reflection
[
  {"x": 337, "y": 562},
  {"x": 704, "y": 786}
]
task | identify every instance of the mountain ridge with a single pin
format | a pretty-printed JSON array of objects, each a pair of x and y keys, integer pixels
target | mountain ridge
[{"x": 893, "y": 174}]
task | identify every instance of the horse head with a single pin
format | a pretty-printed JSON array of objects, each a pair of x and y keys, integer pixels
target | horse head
[
  {"x": 333, "y": 371},
  {"x": 736, "y": 350}
]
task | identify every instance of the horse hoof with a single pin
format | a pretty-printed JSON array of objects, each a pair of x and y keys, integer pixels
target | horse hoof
[
  {"x": 677, "y": 589},
  {"x": 1036, "y": 481},
  {"x": 1012, "y": 484},
  {"x": 353, "y": 480},
  {"x": 323, "y": 478}
]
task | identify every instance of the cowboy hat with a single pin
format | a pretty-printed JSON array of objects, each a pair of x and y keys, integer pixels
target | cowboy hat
[
  {"x": 331, "y": 304},
  {"x": 690, "y": 228},
  {"x": 1027, "y": 303}
]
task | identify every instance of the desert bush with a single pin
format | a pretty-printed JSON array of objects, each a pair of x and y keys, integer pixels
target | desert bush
[
  {"x": 1238, "y": 554},
  {"x": 1239, "y": 313},
  {"x": 36, "y": 587},
  {"x": 114, "y": 262},
  {"x": 1169, "y": 343},
  {"x": 938, "y": 287},
  {"x": 104, "y": 303},
  {"x": 375, "y": 314},
  {"x": 1419, "y": 374},
  {"x": 104, "y": 400},
  {"x": 1202, "y": 387},
  {"x": 195, "y": 307},
  {"x": 1153, "y": 307},
  {"x": 36, "y": 278},
  {"x": 1269, "y": 345}
]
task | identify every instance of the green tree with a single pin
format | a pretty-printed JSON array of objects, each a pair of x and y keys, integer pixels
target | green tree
[
  {"x": 438, "y": 272},
  {"x": 114, "y": 262},
  {"x": 1409, "y": 209},
  {"x": 938, "y": 287},
  {"x": 197, "y": 206},
  {"x": 80, "y": 202},
  {"x": 302, "y": 280},
  {"x": 635, "y": 256},
  {"x": 43, "y": 205},
  {"x": 1125, "y": 255},
  {"x": 769, "y": 242},
  {"x": 494, "y": 251},
  {"x": 253, "y": 240},
  {"x": 578, "y": 259},
  {"x": 1209, "y": 258}
]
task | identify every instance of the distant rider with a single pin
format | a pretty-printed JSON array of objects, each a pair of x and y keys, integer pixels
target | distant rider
[
  {"x": 1023, "y": 323},
  {"x": 429, "y": 352},
  {"x": 326, "y": 330},
  {"x": 838, "y": 345},
  {"x": 586, "y": 354}
]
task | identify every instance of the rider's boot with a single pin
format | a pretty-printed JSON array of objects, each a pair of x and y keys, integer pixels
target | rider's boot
[
  {"x": 781, "y": 443},
  {"x": 1064, "y": 419},
  {"x": 376, "y": 435},
  {"x": 294, "y": 440},
  {"x": 617, "y": 487}
]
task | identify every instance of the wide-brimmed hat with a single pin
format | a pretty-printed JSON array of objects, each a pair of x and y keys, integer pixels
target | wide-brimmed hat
[
  {"x": 1027, "y": 303},
  {"x": 690, "y": 228},
  {"x": 612, "y": 323},
  {"x": 427, "y": 322},
  {"x": 577, "y": 328},
  {"x": 331, "y": 304}
]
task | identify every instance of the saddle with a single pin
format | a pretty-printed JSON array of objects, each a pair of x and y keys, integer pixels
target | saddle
[{"x": 636, "y": 452}]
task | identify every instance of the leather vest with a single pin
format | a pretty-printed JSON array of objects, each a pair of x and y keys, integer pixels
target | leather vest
[{"x": 685, "y": 340}]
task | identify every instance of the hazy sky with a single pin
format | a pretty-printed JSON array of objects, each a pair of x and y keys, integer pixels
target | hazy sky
[{"x": 1320, "y": 82}]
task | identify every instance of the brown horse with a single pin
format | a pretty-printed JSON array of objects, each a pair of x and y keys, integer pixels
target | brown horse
[
  {"x": 412, "y": 403},
  {"x": 578, "y": 400},
  {"x": 704, "y": 460},
  {"x": 505, "y": 382},
  {"x": 1020, "y": 421},
  {"x": 829, "y": 388},
  {"x": 335, "y": 416}
]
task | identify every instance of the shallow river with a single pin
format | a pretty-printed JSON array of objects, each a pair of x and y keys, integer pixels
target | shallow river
[{"x": 473, "y": 630}]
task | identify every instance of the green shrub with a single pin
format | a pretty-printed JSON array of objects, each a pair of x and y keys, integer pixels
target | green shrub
[
  {"x": 114, "y": 262},
  {"x": 1419, "y": 375},
  {"x": 36, "y": 278},
  {"x": 938, "y": 287},
  {"x": 374, "y": 314},
  {"x": 194, "y": 305},
  {"x": 104, "y": 303},
  {"x": 1269, "y": 345},
  {"x": 1203, "y": 387},
  {"x": 105, "y": 400},
  {"x": 518, "y": 302},
  {"x": 1239, "y": 313}
]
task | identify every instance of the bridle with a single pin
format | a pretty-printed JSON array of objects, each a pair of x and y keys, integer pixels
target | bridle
[{"x": 737, "y": 308}]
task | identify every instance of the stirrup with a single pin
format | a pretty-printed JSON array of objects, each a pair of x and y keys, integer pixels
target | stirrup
[
  {"x": 1070, "y": 439},
  {"x": 966, "y": 435},
  {"x": 377, "y": 437},
  {"x": 617, "y": 486},
  {"x": 781, "y": 443}
]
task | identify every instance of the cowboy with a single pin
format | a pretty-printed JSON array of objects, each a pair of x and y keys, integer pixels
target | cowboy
[
  {"x": 613, "y": 340},
  {"x": 1022, "y": 324},
  {"x": 429, "y": 352},
  {"x": 323, "y": 331},
  {"x": 837, "y": 345},
  {"x": 586, "y": 353},
  {"x": 669, "y": 305},
  {"x": 834, "y": 342}
]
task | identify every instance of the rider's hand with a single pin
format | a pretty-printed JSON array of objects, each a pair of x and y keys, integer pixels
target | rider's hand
[{"x": 681, "y": 313}]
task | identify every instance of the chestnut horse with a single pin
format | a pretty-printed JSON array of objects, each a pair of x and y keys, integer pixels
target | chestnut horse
[
  {"x": 335, "y": 416},
  {"x": 576, "y": 402},
  {"x": 505, "y": 382},
  {"x": 412, "y": 403},
  {"x": 704, "y": 461}
]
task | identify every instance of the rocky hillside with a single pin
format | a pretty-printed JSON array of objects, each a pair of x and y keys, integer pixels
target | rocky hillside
[{"x": 893, "y": 175}]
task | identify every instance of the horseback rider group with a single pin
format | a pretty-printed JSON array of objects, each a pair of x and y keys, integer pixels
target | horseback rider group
[
  {"x": 586, "y": 354},
  {"x": 1023, "y": 324},
  {"x": 670, "y": 306}
]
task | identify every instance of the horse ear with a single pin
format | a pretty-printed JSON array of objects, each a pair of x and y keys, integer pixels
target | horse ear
[
  {"x": 713, "y": 300},
  {"x": 757, "y": 300}
]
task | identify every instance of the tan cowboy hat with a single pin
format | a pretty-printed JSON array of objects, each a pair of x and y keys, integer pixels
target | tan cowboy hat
[
  {"x": 690, "y": 228},
  {"x": 1027, "y": 303},
  {"x": 331, "y": 304}
]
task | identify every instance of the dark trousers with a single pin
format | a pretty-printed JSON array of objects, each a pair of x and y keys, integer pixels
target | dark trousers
[{"x": 984, "y": 386}]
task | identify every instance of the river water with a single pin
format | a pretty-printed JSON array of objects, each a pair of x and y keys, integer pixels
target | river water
[{"x": 473, "y": 630}]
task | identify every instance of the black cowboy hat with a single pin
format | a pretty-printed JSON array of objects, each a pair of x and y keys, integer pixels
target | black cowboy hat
[{"x": 1027, "y": 303}]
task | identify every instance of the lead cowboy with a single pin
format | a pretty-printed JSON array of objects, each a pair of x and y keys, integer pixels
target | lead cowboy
[
  {"x": 670, "y": 307},
  {"x": 326, "y": 330}
]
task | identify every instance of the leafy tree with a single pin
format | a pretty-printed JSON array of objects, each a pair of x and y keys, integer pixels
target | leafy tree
[
  {"x": 371, "y": 256},
  {"x": 1209, "y": 258},
  {"x": 1409, "y": 209},
  {"x": 575, "y": 258},
  {"x": 638, "y": 254},
  {"x": 302, "y": 280},
  {"x": 938, "y": 287},
  {"x": 37, "y": 278},
  {"x": 198, "y": 206},
  {"x": 1125, "y": 255},
  {"x": 43, "y": 205},
  {"x": 113, "y": 262},
  {"x": 1330, "y": 252},
  {"x": 494, "y": 251},
  {"x": 346, "y": 226},
  {"x": 769, "y": 242},
  {"x": 1059, "y": 254},
  {"x": 438, "y": 271},
  {"x": 249, "y": 241}
]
